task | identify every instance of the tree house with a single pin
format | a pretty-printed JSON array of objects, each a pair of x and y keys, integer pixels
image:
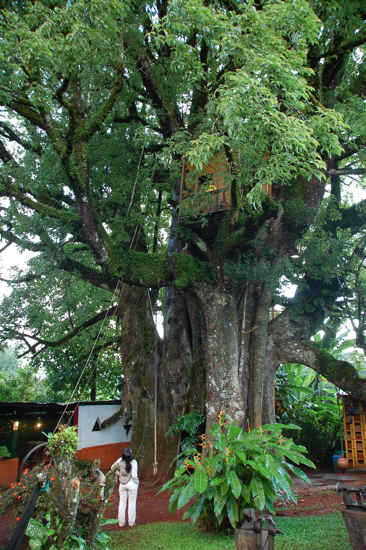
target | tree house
[{"x": 208, "y": 191}]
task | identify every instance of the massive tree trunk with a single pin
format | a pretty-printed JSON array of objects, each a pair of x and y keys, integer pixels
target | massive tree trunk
[
  {"x": 226, "y": 387},
  {"x": 140, "y": 346},
  {"x": 164, "y": 378},
  {"x": 235, "y": 336}
]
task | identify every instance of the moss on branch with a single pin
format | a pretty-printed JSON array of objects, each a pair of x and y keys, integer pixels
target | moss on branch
[
  {"x": 341, "y": 373},
  {"x": 156, "y": 270}
]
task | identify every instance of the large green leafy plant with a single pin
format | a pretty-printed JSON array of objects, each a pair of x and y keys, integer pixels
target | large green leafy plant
[
  {"x": 234, "y": 471},
  {"x": 305, "y": 399}
]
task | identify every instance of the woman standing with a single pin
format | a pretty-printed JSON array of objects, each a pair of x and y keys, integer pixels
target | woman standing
[{"x": 128, "y": 487}]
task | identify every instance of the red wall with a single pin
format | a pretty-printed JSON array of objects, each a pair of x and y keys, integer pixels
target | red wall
[
  {"x": 106, "y": 453},
  {"x": 9, "y": 470}
]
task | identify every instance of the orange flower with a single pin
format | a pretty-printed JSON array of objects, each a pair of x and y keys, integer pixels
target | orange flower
[
  {"x": 11, "y": 485},
  {"x": 15, "y": 494},
  {"x": 25, "y": 471},
  {"x": 17, "y": 519},
  {"x": 19, "y": 496},
  {"x": 52, "y": 478},
  {"x": 19, "y": 483},
  {"x": 24, "y": 487}
]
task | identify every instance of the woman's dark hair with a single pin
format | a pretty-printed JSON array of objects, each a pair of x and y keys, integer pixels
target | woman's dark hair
[{"x": 127, "y": 457}]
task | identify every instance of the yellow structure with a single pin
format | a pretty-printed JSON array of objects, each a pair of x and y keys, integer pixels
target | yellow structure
[{"x": 354, "y": 422}]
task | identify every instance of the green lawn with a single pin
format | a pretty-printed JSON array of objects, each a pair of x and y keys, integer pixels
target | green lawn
[{"x": 311, "y": 533}]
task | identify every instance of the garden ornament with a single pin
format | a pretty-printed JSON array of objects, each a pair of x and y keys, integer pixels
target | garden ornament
[{"x": 101, "y": 482}]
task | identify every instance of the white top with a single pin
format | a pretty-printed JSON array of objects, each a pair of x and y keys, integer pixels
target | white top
[{"x": 134, "y": 469}]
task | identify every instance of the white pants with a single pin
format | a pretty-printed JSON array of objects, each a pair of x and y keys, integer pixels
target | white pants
[{"x": 127, "y": 492}]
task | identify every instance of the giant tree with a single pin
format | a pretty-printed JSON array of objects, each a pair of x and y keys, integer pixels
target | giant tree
[{"x": 106, "y": 104}]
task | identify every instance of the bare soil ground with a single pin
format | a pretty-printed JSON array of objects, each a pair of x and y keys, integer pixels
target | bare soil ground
[{"x": 320, "y": 497}]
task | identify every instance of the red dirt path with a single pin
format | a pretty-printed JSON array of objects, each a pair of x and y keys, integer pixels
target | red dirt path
[{"x": 318, "y": 498}]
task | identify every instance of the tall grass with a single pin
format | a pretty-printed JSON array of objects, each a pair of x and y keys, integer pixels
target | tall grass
[{"x": 309, "y": 533}]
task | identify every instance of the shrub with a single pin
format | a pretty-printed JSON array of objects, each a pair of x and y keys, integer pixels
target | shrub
[
  {"x": 234, "y": 471},
  {"x": 4, "y": 452},
  {"x": 319, "y": 433},
  {"x": 15, "y": 497},
  {"x": 72, "y": 501},
  {"x": 64, "y": 442},
  {"x": 190, "y": 426}
]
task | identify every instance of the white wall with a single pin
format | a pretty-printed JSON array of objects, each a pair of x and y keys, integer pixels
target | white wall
[{"x": 88, "y": 414}]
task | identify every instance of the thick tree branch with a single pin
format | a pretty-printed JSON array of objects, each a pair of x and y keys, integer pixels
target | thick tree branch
[
  {"x": 347, "y": 46},
  {"x": 7, "y": 189},
  {"x": 5, "y": 156},
  {"x": 95, "y": 125},
  {"x": 111, "y": 312},
  {"x": 341, "y": 373},
  {"x": 346, "y": 171},
  {"x": 136, "y": 118},
  {"x": 7, "y": 132},
  {"x": 59, "y": 95},
  {"x": 95, "y": 277},
  {"x": 25, "y": 108},
  {"x": 11, "y": 238}
]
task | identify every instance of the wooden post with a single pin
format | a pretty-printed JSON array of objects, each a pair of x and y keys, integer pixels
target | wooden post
[
  {"x": 248, "y": 540},
  {"x": 252, "y": 536}
]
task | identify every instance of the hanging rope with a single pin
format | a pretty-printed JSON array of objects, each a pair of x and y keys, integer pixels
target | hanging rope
[
  {"x": 133, "y": 244},
  {"x": 86, "y": 365},
  {"x": 135, "y": 182},
  {"x": 155, "y": 463}
]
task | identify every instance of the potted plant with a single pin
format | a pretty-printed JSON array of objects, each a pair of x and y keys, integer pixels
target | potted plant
[{"x": 4, "y": 452}]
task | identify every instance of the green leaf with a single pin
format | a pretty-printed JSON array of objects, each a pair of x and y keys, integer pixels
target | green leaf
[
  {"x": 232, "y": 510},
  {"x": 37, "y": 532},
  {"x": 224, "y": 488},
  {"x": 233, "y": 432},
  {"x": 200, "y": 480},
  {"x": 234, "y": 482},
  {"x": 219, "y": 504},
  {"x": 298, "y": 472},
  {"x": 261, "y": 468},
  {"x": 186, "y": 494},
  {"x": 245, "y": 492},
  {"x": 216, "y": 481},
  {"x": 108, "y": 521},
  {"x": 179, "y": 471},
  {"x": 258, "y": 493},
  {"x": 197, "y": 509},
  {"x": 240, "y": 454},
  {"x": 173, "y": 501}
]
